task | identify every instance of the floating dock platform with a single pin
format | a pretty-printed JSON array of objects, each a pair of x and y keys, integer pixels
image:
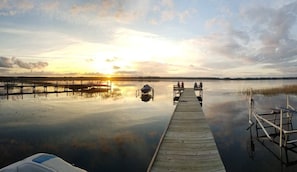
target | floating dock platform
[{"x": 187, "y": 144}]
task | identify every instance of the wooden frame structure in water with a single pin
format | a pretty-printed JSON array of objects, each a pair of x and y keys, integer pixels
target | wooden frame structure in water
[
  {"x": 277, "y": 125},
  {"x": 63, "y": 86}
]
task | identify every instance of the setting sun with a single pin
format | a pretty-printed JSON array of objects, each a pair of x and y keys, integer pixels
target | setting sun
[
  {"x": 102, "y": 67},
  {"x": 96, "y": 81},
  {"x": 162, "y": 38}
]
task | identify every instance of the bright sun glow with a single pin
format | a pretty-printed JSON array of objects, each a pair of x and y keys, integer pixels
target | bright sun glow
[{"x": 103, "y": 68}]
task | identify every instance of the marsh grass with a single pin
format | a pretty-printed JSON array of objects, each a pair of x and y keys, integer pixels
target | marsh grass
[{"x": 286, "y": 89}]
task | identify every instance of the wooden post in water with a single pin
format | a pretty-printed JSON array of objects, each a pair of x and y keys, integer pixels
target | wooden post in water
[
  {"x": 66, "y": 86},
  {"x": 56, "y": 87},
  {"x": 22, "y": 87},
  {"x": 81, "y": 90},
  {"x": 7, "y": 92},
  {"x": 45, "y": 89},
  {"x": 72, "y": 87},
  {"x": 34, "y": 88},
  {"x": 281, "y": 129}
]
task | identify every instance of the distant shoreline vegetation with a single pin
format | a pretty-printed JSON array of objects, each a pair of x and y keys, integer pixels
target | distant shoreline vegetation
[
  {"x": 137, "y": 78},
  {"x": 286, "y": 89}
]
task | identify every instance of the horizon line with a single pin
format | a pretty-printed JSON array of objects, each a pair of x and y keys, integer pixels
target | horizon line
[{"x": 6, "y": 78}]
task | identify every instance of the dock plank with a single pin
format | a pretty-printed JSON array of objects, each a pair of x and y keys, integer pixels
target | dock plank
[{"x": 187, "y": 144}]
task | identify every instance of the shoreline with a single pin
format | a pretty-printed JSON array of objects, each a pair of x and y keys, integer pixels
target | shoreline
[{"x": 137, "y": 78}]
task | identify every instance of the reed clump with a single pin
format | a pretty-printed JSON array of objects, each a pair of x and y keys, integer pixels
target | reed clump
[{"x": 286, "y": 89}]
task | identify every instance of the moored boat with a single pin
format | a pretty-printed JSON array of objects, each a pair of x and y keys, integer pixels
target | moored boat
[
  {"x": 146, "y": 88},
  {"x": 41, "y": 162}
]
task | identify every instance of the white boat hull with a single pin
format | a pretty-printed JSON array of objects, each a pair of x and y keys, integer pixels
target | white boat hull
[{"x": 41, "y": 162}]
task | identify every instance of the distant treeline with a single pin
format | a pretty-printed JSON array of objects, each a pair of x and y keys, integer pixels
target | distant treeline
[
  {"x": 137, "y": 78},
  {"x": 285, "y": 89}
]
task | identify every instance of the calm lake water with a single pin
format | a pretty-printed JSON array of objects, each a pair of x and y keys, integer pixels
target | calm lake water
[{"x": 118, "y": 131}]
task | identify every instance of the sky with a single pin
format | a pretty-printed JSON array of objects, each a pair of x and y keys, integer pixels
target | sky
[{"x": 174, "y": 38}]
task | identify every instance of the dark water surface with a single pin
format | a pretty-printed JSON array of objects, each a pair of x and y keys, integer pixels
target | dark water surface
[{"x": 119, "y": 132}]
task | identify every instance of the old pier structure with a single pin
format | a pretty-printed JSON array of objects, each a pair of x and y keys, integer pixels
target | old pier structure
[{"x": 21, "y": 87}]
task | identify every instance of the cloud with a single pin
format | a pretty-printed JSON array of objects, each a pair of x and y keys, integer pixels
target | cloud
[
  {"x": 167, "y": 15},
  {"x": 6, "y": 62},
  {"x": 145, "y": 68},
  {"x": 113, "y": 59},
  {"x": 39, "y": 65},
  {"x": 126, "y": 73},
  {"x": 50, "y": 6},
  {"x": 185, "y": 14},
  {"x": 153, "y": 68},
  {"x": 120, "y": 11},
  {"x": 21, "y": 64},
  {"x": 167, "y": 3},
  {"x": 4, "y": 70},
  {"x": 80, "y": 11},
  {"x": 29, "y": 65},
  {"x": 90, "y": 60},
  {"x": 273, "y": 28},
  {"x": 265, "y": 36},
  {"x": 10, "y": 8},
  {"x": 166, "y": 11},
  {"x": 116, "y": 67}
]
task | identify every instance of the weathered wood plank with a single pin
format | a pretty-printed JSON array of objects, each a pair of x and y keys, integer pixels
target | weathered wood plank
[{"x": 187, "y": 144}]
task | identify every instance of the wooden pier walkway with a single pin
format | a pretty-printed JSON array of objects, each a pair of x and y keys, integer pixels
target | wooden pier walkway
[
  {"x": 41, "y": 87},
  {"x": 187, "y": 144}
]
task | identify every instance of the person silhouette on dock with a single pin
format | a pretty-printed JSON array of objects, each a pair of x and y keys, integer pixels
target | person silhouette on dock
[
  {"x": 178, "y": 84},
  {"x": 195, "y": 85},
  {"x": 182, "y": 84}
]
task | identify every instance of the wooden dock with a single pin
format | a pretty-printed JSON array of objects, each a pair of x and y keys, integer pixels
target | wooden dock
[
  {"x": 41, "y": 87},
  {"x": 188, "y": 143}
]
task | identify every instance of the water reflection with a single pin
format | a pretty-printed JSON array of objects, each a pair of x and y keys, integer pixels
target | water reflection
[
  {"x": 287, "y": 156},
  {"x": 109, "y": 131},
  {"x": 90, "y": 93},
  {"x": 117, "y": 132},
  {"x": 275, "y": 131},
  {"x": 227, "y": 113},
  {"x": 145, "y": 97}
]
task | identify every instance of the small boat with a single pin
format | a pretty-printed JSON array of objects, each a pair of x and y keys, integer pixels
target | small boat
[
  {"x": 146, "y": 88},
  {"x": 41, "y": 162}
]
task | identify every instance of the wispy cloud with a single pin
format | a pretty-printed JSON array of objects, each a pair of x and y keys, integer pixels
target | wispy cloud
[
  {"x": 116, "y": 67},
  {"x": 106, "y": 11},
  {"x": 266, "y": 38},
  {"x": 113, "y": 59},
  {"x": 166, "y": 11},
  {"x": 13, "y": 7},
  {"x": 29, "y": 65},
  {"x": 6, "y": 62},
  {"x": 90, "y": 60},
  {"x": 132, "y": 37},
  {"x": 277, "y": 42},
  {"x": 126, "y": 73},
  {"x": 74, "y": 11}
]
